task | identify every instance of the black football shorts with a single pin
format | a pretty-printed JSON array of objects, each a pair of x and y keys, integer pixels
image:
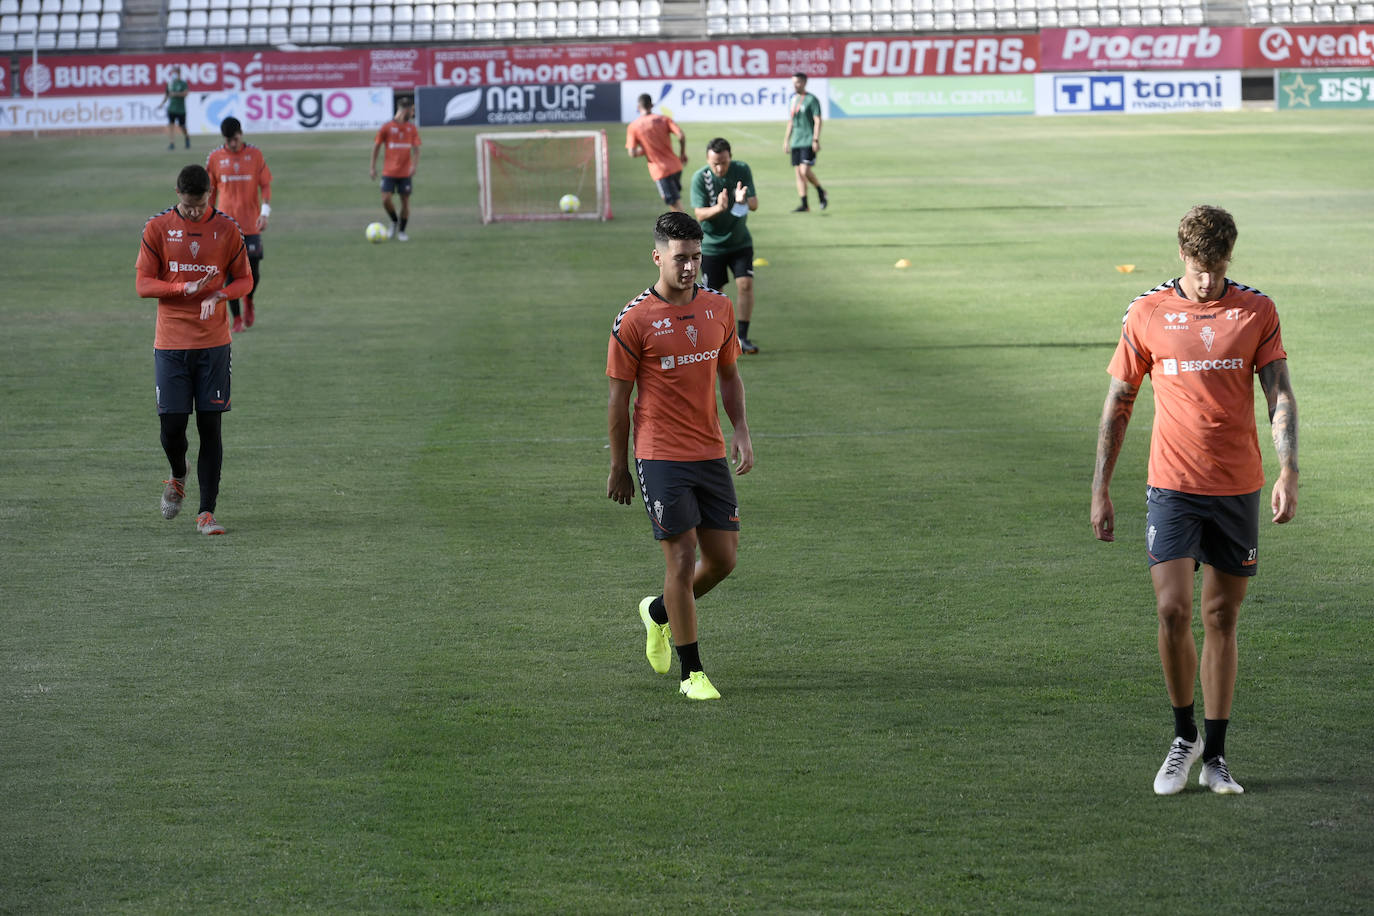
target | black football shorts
[
  {"x": 1221, "y": 531},
  {"x": 682, "y": 495}
]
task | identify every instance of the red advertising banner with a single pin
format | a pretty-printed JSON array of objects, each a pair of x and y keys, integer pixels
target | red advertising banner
[
  {"x": 1191, "y": 48},
  {"x": 944, "y": 55},
  {"x": 268, "y": 71},
  {"x": 398, "y": 68},
  {"x": 115, "y": 74},
  {"x": 1290, "y": 47},
  {"x": 265, "y": 71},
  {"x": 924, "y": 56},
  {"x": 530, "y": 64}
]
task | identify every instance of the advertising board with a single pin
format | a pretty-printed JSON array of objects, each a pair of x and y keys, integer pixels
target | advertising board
[
  {"x": 1285, "y": 47},
  {"x": 1297, "y": 89},
  {"x": 290, "y": 109},
  {"x": 1137, "y": 93},
  {"x": 718, "y": 100},
  {"x": 1191, "y": 48},
  {"x": 109, "y": 112},
  {"x": 513, "y": 106},
  {"x": 932, "y": 95}
]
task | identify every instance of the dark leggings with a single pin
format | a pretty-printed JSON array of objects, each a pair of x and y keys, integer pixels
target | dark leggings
[
  {"x": 253, "y": 266},
  {"x": 210, "y": 458}
]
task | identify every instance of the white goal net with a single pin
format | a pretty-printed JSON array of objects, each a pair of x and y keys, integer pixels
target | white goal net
[{"x": 529, "y": 175}]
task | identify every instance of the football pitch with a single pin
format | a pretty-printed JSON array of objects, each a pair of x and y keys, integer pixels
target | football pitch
[{"x": 411, "y": 676}]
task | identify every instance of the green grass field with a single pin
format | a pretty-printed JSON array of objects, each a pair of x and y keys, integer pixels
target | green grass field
[{"x": 411, "y": 677}]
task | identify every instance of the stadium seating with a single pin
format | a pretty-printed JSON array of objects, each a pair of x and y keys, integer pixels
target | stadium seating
[
  {"x": 1297, "y": 12},
  {"x": 338, "y": 22},
  {"x": 59, "y": 25},
  {"x": 90, "y": 24}
]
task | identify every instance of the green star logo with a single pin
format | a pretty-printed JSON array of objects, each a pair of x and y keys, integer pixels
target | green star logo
[{"x": 1299, "y": 92}]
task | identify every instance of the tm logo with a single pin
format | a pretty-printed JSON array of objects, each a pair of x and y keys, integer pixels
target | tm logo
[{"x": 1089, "y": 93}]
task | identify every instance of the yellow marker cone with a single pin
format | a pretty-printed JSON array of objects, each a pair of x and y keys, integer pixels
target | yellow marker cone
[
  {"x": 902, "y": 264},
  {"x": 1125, "y": 268},
  {"x": 760, "y": 262}
]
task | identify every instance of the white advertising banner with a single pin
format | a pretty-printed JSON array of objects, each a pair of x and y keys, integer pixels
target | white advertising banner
[
  {"x": 1137, "y": 92},
  {"x": 104, "y": 112},
  {"x": 290, "y": 110},
  {"x": 720, "y": 99}
]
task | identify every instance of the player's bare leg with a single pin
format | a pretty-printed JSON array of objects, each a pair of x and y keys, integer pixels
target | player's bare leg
[
  {"x": 719, "y": 549},
  {"x": 390, "y": 212},
  {"x": 680, "y": 562},
  {"x": 1173, "y": 582},
  {"x": 1222, "y": 595}
]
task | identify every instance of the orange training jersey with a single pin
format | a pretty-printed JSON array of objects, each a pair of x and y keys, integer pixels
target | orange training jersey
[
  {"x": 654, "y": 132},
  {"x": 671, "y": 353},
  {"x": 236, "y": 180},
  {"x": 1201, "y": 358},
  {"x": 177, "y": 250},
  {"x": 398, "y": 138}
]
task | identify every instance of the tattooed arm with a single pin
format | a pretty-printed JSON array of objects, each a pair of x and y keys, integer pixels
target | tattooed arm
[
  {"x": 1116, "y": 414},
  {"x": 1283, "y": 417}
]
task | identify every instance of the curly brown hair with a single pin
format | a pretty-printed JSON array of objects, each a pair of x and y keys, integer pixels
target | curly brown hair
[{"x": 1207, "y": 234}]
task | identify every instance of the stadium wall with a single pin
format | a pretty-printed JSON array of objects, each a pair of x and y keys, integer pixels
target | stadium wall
[{"x": 711, "y": 80}]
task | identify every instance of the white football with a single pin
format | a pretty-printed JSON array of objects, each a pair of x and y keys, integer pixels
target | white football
[
  {"x": 569, "y": 203},
  {"x": 376, "y": 232}
]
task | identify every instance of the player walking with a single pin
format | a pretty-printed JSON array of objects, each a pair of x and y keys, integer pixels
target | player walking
[
  {"x": 174, "y": 97},
  {"x": 401, "y": 138},
  {"x": 187, "y": 252},
  {"x": 673, "y": 341},
  {"x": 239, "y": 176},
  {"x": 1201, "y": 338},
  {"x": 650, "y": 135},
  {"x": 723, "y": 196},
  {"x": 803, "y": 141}
]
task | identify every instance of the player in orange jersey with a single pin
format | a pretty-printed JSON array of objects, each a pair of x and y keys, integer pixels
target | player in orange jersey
[
  {"x": 650, "y": 135},
  {"x": 673, "y": 341},
  {"x": 401, "y": 139},
  {"x": 1201, "y": 338},
  {"x": 241, "y": 187},
  {"x": 188, "y": 252}
]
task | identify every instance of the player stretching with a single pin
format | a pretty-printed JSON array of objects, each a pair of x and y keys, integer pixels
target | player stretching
[
  {"x": 238, "y": 174},
  {"x": 803, "y": 141},
  {"x": 402, "y": 141},
  {"x": 187, "y": 252},
  {"x": 674, "y": 340},
  {"x": 1201, "y": 338},
  {"x": 723, "y": 196},
  {"x": 650, "y": 135}
]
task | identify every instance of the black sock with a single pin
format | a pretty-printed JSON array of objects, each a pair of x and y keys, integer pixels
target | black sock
[
  {"x": 1184, "y": 725},
  {"x": 744, "y": 330},
  {"x": 690, "y": 658},
  {"x": 658, "y": 611},
  {"x": 403, "y": 223},
  {"x": 803, "y": 201},
  {"x": 1215, "y": 745}
]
